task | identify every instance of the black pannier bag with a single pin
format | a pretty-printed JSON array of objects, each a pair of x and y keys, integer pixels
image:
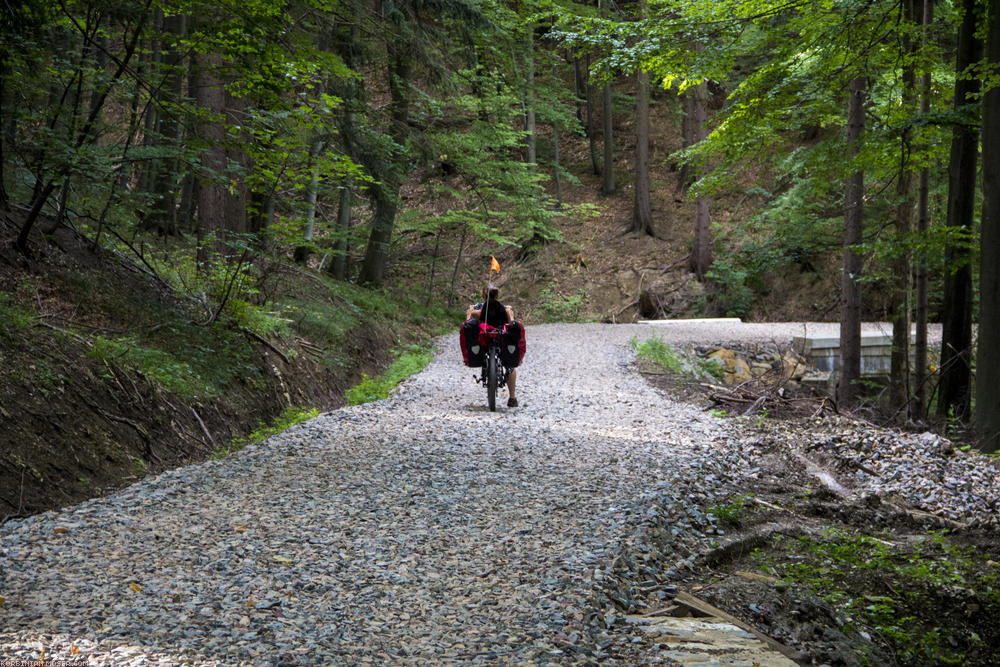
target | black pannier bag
[
  {"x": 473, "y": 352},
  {"x": 512, "y": 345}
]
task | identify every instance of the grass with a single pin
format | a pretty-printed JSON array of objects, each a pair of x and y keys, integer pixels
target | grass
[
  {"x": 676, "y": 361},
  {"x": 290, "y": 417},
  {"x": 411, "y": 361}
]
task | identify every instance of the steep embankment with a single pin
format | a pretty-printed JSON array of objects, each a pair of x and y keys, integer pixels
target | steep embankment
[{"x": 107, "y": 374}]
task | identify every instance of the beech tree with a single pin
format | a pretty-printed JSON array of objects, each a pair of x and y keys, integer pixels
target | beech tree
[
  {"x": 954, "y": 386},
  {"x": 987, "y": 417}
]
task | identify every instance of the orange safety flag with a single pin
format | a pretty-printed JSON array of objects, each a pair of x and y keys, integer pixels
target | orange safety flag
[{"x": 494, "y": 265}]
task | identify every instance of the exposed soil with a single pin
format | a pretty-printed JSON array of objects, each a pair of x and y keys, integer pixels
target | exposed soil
[{"x": 839, "y": 578}]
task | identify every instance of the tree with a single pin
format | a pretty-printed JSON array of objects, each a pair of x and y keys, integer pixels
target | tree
[
  {"x": 899, "y": 375},
  {"x": 701, "y": 253},
  {"x": 642, "y": 215},
  {"x": 987, "y": 416},
  {"x": 850, "y": 320},
  {"x": 919, "y": 407},
  {"x": 954, "y": 386}
]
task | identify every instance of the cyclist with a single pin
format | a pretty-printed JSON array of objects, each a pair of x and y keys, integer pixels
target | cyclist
[{"x": 497, "y": 315}]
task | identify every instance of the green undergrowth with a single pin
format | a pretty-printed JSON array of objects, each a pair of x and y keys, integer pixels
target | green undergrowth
[
  {"x": 678, "y": 362},
  {"x": 555, "y": 306},
  {"x": 929, "y": 601},
  {"x": 192, "y": 361},
  {"x": 410, "y": 361},
  {"x": 13, "y": 319},
  {"x": 290, "y": 417}
]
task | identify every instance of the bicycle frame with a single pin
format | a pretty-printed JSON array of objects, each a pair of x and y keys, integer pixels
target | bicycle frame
[{"x": 494, "y": 373}]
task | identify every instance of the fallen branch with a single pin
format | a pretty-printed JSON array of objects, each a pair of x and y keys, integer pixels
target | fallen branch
[
  {"x": 696, "y": 604},
  {"x": 265, "y": 342},
  {"x": 202, "y": 424}
]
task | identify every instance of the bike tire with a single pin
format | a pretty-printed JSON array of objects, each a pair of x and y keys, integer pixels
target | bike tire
[{"x": 492, "y": 378}]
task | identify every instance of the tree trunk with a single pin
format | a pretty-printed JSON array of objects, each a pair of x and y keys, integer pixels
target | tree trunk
[
  {"x": 578, "y": 86},
  {"x": 701, "y": 254},
  {"x": 164, "y": 214},
  {"x": 377, "y": 251},
  {"x": 341, "y": 258},
  {"x": 591, "y": 132},
  {"x": 956, "y": 340},
  {"x": 608, "y": 183},
  {"x": 685, "y": 176},
  {"x": 642, "y": 214},
  {"x": 923, "y": 224},
  {"x": 899, "y": 374},
  {"x": 302, "y": 252},
  {"x": 988, "y": 351},
  {"x": 850, "y": 320},
  {"x": 212, "y": 194},
  {"x": 386, "y": 193},
  {"x": 556, "y": 167},
  {"x": 529, "y": 105}
]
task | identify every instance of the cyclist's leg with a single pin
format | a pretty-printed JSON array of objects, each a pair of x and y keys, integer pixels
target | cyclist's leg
[{"x": 512, "y": 383}]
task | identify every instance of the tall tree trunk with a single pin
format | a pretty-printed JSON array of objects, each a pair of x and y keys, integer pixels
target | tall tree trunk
[
  {"x": 302, "y": 252},
  {"x": 591, "y": 131},
  {"x": 701, "y": 255},
  {"x": 988, "y": 351},
  {"x": 164, "y": 214},
  {"x": 556, "y": 167},
  {"x": 954, "y": 396},
  {"x": 212, "y": 194},
  {"x": 899, "y": 374},
  {"x": 578, "y": 87},
  {"x": 685, "y": 176},
  {"x": 608, "y": 168},
  {"x": 341, "y": 258},
  {"x": 529, "y": 104},
  {"x": 850, "y": 319},
  {"x": 386, "y": 192},
  {"x": 642, "y": 213},
  {"x": 923, "y": 224}
]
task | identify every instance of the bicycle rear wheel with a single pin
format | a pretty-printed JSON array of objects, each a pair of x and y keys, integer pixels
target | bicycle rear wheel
[{"x": 492, "y": 378}]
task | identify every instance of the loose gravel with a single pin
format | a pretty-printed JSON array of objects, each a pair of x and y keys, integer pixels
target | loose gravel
[{"x": 419, "y": 529}]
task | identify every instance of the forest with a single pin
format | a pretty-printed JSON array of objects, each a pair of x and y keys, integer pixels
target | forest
[{"x": 215, "y": 147}]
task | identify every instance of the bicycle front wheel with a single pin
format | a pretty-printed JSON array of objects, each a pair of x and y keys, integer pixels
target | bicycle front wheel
[{"x": 492, "y": 378}]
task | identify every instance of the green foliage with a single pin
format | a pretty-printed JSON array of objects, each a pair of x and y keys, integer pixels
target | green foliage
[
  {"x": 678, "y": 362},
  {"x": 160, "y": 366},
  {"x": 915, "y": 578},
  {"x": 730, "y": 513},
  {"x": 409, "y": 362},
  {"x": 555, "y": 307},
  {"x": 13, "y": 319},
  {"x": 290, "y": 417},
  {"x": 734, "y": 297},
  {"x": 660, "y": 353}
]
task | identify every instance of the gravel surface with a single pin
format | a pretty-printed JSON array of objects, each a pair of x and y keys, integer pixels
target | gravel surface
[{"x": 418, "y": 529}]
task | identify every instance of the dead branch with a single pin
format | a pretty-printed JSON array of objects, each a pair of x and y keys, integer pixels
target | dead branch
[{"x": 265, "y": 342}]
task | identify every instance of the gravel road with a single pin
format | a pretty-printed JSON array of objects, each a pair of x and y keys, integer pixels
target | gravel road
[{"x": 418, "y": 529}]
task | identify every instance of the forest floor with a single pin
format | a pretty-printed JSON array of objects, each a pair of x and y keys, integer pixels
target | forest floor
[
  {"x": 855, "y": 543},
  {"x": 425, "y": 528}
]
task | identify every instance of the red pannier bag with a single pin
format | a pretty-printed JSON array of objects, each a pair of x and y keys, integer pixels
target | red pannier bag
[
  {"x": 473, "y": 351},
  {"x": 512, "y": 345}
]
